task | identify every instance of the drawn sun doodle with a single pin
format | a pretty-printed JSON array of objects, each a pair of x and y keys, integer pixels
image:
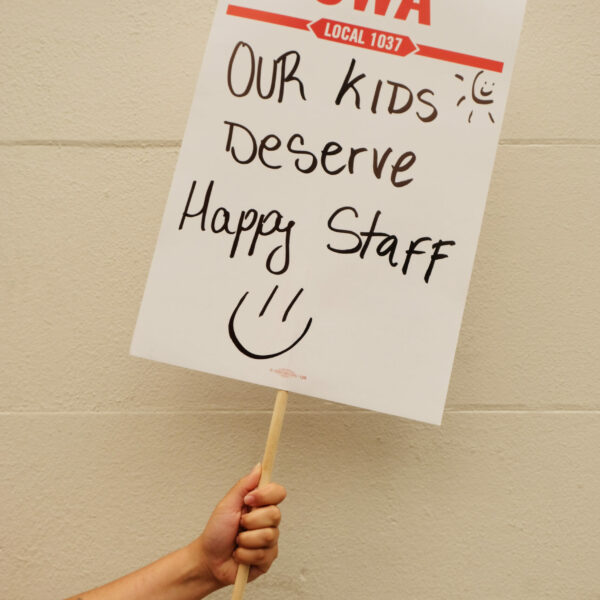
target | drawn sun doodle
[
  {"x": 482, "y": 90},
  {"x": 242, "y": 347}
]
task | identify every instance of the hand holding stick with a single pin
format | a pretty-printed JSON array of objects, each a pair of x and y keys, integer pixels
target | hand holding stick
[{"x": 267, "y": 469}]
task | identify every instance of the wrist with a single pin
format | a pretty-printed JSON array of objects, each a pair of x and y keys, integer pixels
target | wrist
[{"x": 198, "y": 571}]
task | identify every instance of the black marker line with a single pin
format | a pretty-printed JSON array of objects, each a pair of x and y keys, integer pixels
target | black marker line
[
  {"x": 249, "y": 353},
  {"x": 285, "y": 314},
  {"x": 264, "y": 308},
  {"x": 187, "y": 204}
]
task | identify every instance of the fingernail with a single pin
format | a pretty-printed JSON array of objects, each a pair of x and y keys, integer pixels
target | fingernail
[
  {"x": 256, "y": 468},
  {"x": 249, "y": 499}
]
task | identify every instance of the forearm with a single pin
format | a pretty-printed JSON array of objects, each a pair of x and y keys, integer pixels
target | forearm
[
  {"x": 182, "y": 575},
  {"x": 211, "y": 561}
]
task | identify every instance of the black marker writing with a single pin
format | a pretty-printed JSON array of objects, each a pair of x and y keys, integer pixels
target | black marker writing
[
  {"x": 244, "y": 67},
  {"x": 245, "y": 147},
  {"x": 400, "y": 97},
  {"x": 250, "y": 221},
  {"x": 243, "y": 346},
  {"x": 385, "y": 244}
]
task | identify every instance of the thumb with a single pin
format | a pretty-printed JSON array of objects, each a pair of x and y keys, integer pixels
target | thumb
[{"x": 234, "y": 499}]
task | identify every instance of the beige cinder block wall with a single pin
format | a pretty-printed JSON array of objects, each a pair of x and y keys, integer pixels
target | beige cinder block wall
[{"x": 108, "y": 461}]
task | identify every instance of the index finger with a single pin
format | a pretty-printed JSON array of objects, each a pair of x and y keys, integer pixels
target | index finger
[{"x": 272, "y": 493}]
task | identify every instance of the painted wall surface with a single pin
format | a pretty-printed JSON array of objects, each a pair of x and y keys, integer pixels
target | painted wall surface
[{"x": 107, "y": 461}]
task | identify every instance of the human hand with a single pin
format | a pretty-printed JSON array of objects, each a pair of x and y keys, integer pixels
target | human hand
[{"x": 234, "y": 535}]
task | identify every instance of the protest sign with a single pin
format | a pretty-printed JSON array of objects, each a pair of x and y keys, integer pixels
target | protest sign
[{"x": 323, "y": 218}]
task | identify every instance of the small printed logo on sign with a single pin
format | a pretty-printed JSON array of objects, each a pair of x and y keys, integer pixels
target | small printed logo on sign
[
  {"x": 287, "y": 374},
  {"x": 363, "y": 37}
]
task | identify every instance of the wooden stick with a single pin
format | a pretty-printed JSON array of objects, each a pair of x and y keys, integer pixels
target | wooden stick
[{"x": 267, "y": 469}]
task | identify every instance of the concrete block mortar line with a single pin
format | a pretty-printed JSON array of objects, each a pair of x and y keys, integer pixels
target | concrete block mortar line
[
  {"x": 549, "y": 142},
  {"x": 93, "y": 143},
  {"x": 491, "y": 411},
  {"x": 177, "y": 143}
]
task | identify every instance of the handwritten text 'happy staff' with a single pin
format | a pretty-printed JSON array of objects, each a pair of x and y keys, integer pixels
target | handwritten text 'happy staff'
[{"x": 350, "y": 237}]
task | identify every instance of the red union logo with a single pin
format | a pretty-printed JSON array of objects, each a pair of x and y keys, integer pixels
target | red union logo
[
  {"x": 363, "y": 37},
  {"x": 382, "y": 7}
]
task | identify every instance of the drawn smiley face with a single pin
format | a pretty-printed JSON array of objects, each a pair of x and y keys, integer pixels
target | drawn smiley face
[
  {"x": 242, "y": 346},
  {"x": 482, "y": 89}
]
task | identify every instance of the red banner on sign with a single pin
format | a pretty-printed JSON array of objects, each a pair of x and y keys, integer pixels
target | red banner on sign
[
  {"x": 364, "y": 37},
  {"x": 267, "y": 17}
]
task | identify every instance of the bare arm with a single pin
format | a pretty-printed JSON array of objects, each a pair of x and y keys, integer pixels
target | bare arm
[{"x": 232, "y": 536}]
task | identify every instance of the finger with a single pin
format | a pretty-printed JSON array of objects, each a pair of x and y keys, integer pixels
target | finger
[
  {"x": 259, "y": 518},
  {"x": 234, "y": 499},
  {"x": 258, "y": 538},
  {"x": 261, "y": 558},
  {"x": 258, "y": 570},
  {"x": 272, "y": 493}
]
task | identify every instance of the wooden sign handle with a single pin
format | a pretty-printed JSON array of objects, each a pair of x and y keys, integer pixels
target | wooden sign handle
[{"x": 267, "y": 469}]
